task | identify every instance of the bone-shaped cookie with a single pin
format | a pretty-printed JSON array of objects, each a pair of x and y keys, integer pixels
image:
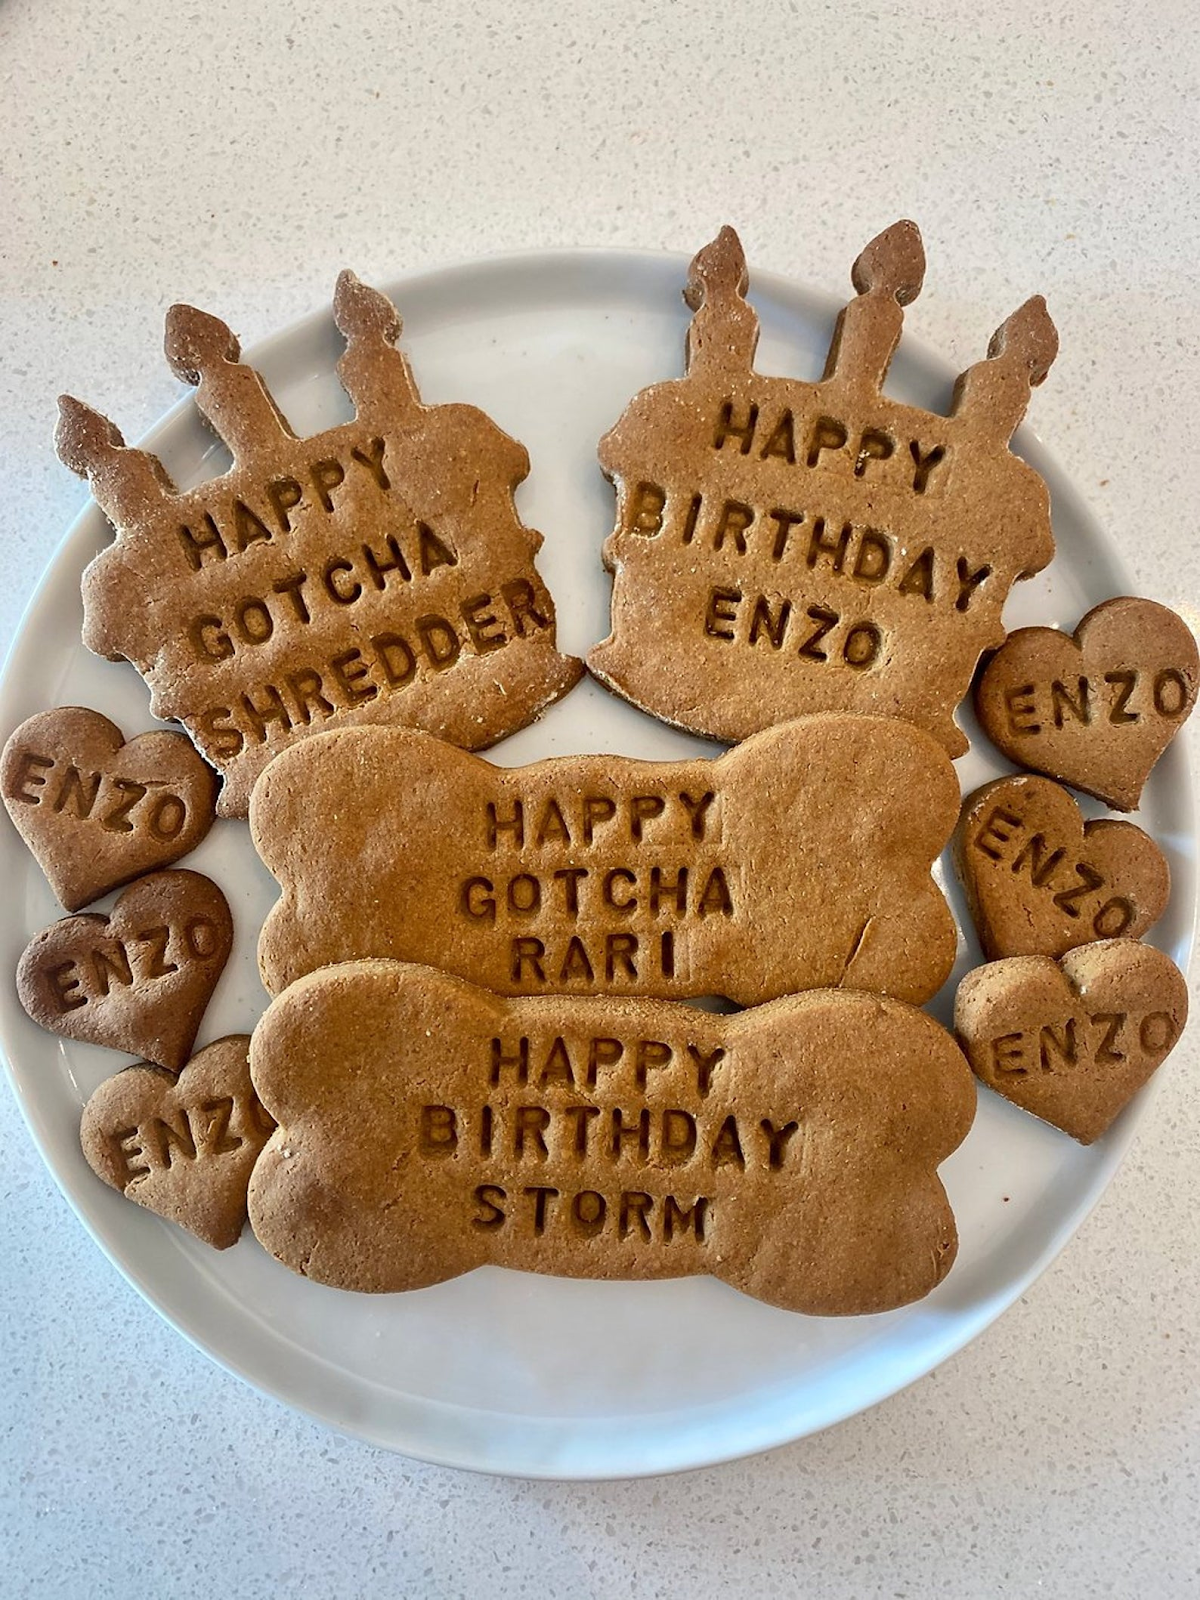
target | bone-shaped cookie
[
  {"x": 1096, "y": 707},
  {"x": 374, "y": 573},
  {"x": 1040, "y": 880},
  {"x": 1072, "y": 1041},
  {"x": 784, "y": 547},
  {"x": 427, "y": 1127},
  {"x": 799, "y": 860}
]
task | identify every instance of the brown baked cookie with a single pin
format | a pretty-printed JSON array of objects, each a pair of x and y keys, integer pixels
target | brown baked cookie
[
  {"x": 427, "y": 1127},
  {"x": 799, "y": 860},
  {"x": 784, "y": 547},
  {"x": 1040, "y": 881},
  {"x": 1073, "y": 1040},
  {"x": 375, "y": 573},
  {"x": 182, "y": 1147},
  {"x": 1096, "y": 707},
  {"x": 98, "y": 810},
  {"x": 140, "y": 978}
]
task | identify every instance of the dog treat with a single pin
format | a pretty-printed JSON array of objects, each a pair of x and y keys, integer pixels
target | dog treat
[
  {"x": 1040, "y": 881},
  {"x": 375, "y": 573},
  {"x": 182, "y": 1147},
  {"x": 98, "y": 810},
  {"x": 784, "y": 547},
  {"x": 139, "y": 979},
  {"x": 427, "y": 1127},
  {"x": 799, "y": 860},
  {"x": 1073, "y": 1040},
  {"x": 1098, "y": 707}
]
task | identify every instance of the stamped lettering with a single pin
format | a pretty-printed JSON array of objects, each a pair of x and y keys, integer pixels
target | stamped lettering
[
  {"x": 183, "y": 1147},
  {"x": 1097, "y": 707},
  {"x": 139, "y": 979},
  {"x": 784, "y": 548},
  {"x": 375, "y": 573},
  {"x": 1073, "y": 1040},
  {"x": 97, "y": 810},
  {"x": 1040, "y": 881},
  {"x": 799, "y": 860},
  {"x": 790, "y": 1150}
]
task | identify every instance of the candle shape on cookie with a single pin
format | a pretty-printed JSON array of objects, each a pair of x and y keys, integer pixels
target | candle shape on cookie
[
  {"x": 374, "y": 373},
  {"x": 129, "y": 485},
  {"x": 724, "y": 329},
  {"x": 994, "y": 393},
  {"x": 887, "y": 276},
  {"x": 204, "y": 352}
]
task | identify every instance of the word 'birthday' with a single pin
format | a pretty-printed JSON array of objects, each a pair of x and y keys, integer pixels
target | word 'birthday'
[
  {"x": 864, "y": 555},
  {"x": 671, "y": 1136}
]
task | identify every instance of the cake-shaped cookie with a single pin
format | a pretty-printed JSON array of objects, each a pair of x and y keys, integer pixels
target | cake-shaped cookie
[
  {"x": 374, "y": 573},
  {"x": 784, "y": 547}
]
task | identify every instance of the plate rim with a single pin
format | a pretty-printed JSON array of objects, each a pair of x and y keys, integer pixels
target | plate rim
[{"x": 467, "y": 1449}]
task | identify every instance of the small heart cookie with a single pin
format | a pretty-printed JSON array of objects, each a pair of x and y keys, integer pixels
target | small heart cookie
[
  {"x": 1039, "y": 880},
  {"x": 1098, "y": 707},
  {"x": 1072, "y": 1041},
  {"x": 97, "y": 810},
  {"x": 182, "y": 1147},
  {"x": 138, "y": 979}
]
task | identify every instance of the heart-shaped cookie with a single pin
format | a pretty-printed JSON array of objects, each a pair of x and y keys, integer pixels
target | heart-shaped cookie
[
  {"x": 96, "y": 810},
  {"x": 182, "y": 1147},
  {"x": 1040, "y": 881},
  {"x": 1072, "y": 1040},
  {"x": 1098, "y": 707},
  {"x": 138, "y": 979}
]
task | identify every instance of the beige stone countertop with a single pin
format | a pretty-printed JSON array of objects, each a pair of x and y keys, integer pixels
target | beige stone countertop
[{"x": 236, "y": 156}]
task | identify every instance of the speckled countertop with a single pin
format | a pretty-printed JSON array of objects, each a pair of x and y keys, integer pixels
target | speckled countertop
[{"x": 237, "y": 156}]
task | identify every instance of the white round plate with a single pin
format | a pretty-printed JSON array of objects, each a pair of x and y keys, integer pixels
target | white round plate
[{"x": 505, "y": 1371}]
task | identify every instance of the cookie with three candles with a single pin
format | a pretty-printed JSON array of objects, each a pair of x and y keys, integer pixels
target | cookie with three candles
[
  {"x": 784, "y": 547},
  {"x": 374, "y": 573}
]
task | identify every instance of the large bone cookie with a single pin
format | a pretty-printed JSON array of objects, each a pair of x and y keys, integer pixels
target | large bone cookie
[
  {"x": 1098, "y": 707},
  {"x": 374, "y": 573},
  {"x": 98, "y": 810},
  {"x": 799, "y": 860},
  {"x": 1073, "y": 1040},
  {"x": 427, "y": 1127},
  {"x": 182, "y": 1147},
  {"x": 1040, "y": 881},
  {"x": 784, "y": 547}
]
